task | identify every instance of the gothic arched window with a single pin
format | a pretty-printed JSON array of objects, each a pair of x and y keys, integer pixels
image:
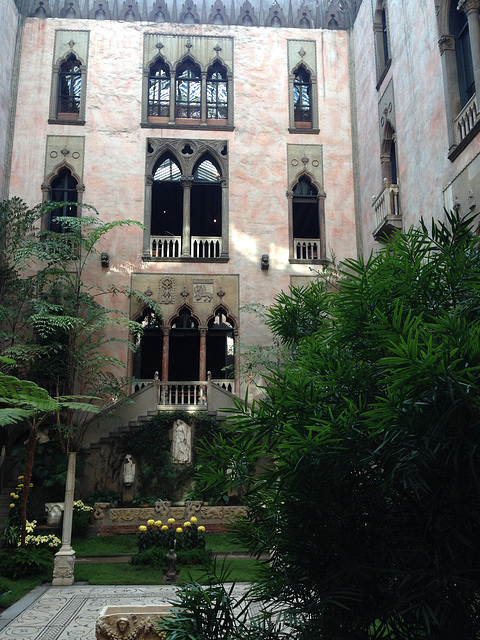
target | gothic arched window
[
  {"x": 63, "y": 189},
  {"x": 159, "y": 89},
  {"x": 307, "y": 222},
  {"x": 302, "y": 96},
  {"x": 69, "y": 87},
  {"x": 217, "y": 93},
  {"x": 188, "y": 90},
  {"x": 167, "y": 209}
]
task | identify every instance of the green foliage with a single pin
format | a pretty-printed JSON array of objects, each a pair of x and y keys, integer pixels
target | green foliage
[
  {"x": 112, "y": 497},
  {"x": 20, "y": 562},
  {"x": 171, "y": 536},
  {"x": 362, "y": 460},
  {"x": 150, "y": 445},
  {"x": 155, "y": 557}
]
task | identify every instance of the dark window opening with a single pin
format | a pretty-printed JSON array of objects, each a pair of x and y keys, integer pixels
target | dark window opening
[
  {"x": 305, "y": 211},
  {"x": 69, "y": 87},
  {"x": 220, "y": 346},
  {"x": 167, "y": 202},
  {"x": 459, "y": 28},
  {"x": 302, "y": 102},
  {"x": 386, "y": 54},
  {"x": 217, "y": 95},
  {"x": 147, "y": 360},
  {"x": 159, "y": 89},
  {"x": 206, "y": 201},
  {"x": 62, "y": 189},
  {"x": 184, "y": 348},
  {"x": 188, "y": 91}
]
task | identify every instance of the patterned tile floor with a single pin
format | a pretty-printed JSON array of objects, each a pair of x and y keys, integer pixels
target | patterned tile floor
[{"x": 69, "y": 613}]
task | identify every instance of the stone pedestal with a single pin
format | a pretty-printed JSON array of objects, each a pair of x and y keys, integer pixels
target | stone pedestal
[
  {"x": 65, "y": 558},
  {"x": 63, "y": 567}
]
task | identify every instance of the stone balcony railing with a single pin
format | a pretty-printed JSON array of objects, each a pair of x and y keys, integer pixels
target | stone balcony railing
[
  {"x": 386, "y": 211},
  {"x": 185, "y": 394},
  {"x": 171, "y": 246},
  {"x": 306, "y": 248},
  {"x": 466, "y": 119}
]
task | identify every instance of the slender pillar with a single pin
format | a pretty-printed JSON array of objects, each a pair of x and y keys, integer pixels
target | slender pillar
[
  {"x": 166, "y": 348},
  {"x": 173, "y": 88},
  {"x": 65, "y": 558},
  {"x": 203, "y": 98},
  {"x": 203, "y": 354},
  {"x": 225, "y": 234},
  {"x": 236, "y": 361},
  {"x": 147, "y": 219},
  {"x": 472, "y": 9},
  {"x": 187, "y": 182}
]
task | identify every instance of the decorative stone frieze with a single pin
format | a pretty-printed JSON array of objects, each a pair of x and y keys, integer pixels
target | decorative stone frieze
[{"x": 130, "y": 622}]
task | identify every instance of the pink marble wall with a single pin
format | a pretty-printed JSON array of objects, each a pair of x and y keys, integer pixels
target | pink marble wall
[
  {"x": 422, "y": 140},
  {"x": 115, "y": 147},
  {"x": 8, "y": 34}
]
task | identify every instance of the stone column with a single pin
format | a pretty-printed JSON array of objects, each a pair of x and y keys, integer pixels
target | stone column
[
  {"x": 165, "y": 354},
  {"x": 173, "y": 88},
  {"x": 291, "y": 250},
  {"x": 450, "y": 82},
  {"x": 65, "y": 558},
  {"x": 225, "y": 234},
  {"x": 236, "y": 361},
  {"x": 203, "y": 105},
  {"x": 203, "y": 354},
  {"x": 187, "y": 182},
  {"x": 147, "y": 220},
  {"x": 472, "y": 9}
]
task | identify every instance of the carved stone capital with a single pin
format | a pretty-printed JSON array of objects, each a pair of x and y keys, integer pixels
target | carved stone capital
[
  {"x": 469, "y": 5},
  {"x": 446, "y": 43},
  {"x": 187, "y": 182}
]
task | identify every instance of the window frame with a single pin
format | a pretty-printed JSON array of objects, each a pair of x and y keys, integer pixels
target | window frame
[
  {"x": 47, "y": 192},
  {"x": 59, "y": 117},
  {"x": 320, "y": 212}
]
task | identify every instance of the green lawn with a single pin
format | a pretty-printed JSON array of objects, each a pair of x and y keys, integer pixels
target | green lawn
[
  {"x": 241, "y": 570},
  {"x": 127, "y": 543},
  {"x": 20, "y": 587}
]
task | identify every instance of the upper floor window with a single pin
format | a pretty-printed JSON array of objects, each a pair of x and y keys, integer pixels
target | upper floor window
[
  {"x": 217, "y": 92},
  {"x": 63, "y": 189},
  {"x": 307, "y": 222},
  {"x": 382, "y": 49},
  {"x": 159, "y": 90},
  {"x": 188, "y": 90},
  {"x": 302, "y": 98},
  {"x": 459, "y": 29},
  {"x": 69, "y": 88}
]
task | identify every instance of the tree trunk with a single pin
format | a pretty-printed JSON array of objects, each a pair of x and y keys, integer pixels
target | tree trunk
[{"x": 27, "y": 478}]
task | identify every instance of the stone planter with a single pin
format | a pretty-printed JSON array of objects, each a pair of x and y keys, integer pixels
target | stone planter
[
  {"x": 129, "y": 621},
  {"x": 54, "y": 512}
]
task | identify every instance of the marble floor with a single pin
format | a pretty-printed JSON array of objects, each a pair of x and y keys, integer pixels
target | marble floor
[{"x": 69, "y": 613}]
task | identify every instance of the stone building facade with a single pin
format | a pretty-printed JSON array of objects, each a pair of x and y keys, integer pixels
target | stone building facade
[{"x": 254, "y": 141}]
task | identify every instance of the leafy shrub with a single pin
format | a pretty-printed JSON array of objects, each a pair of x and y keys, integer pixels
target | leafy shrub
[
  {"x": 169, "y": 536},
  {"x": 154, "y": 557},
  {"x": 23, "y": 562},
  {"x": 81, "y": 519},
  {"x": 194, "y": 556},
  {"x": 113, "y": 497},
  {"x": 4, "y": 588}
]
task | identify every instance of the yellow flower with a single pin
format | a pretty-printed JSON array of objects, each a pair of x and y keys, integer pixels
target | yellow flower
[
  {"x": 179, "y": 530},
  {"x": 20, "y": 477},
  {"x": 193, "y": 519},
  {"x": 171, "y": 521},
  {"x": 16, "y": 496},
  {"x": 12, "y": 504},
  {"x": 142, "y": 528},
  {"x": 164, "y": 528},
  {"x": 201, "y": 529},
  {"x": 187, "y": 524},
  {"x": 150, "y": 522},
  {"x": 21, "y": 484},
  {"x": 12, "y": 495},
  {"x": 158, "y": 523}
]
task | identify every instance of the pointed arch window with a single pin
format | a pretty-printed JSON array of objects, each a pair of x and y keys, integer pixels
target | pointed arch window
[
  {"x": 63, "y": 189},
  {"x": 184, "y": 347},
  {"x": 463, "y": 51},
  {"x": 69, "y": 87},
  {"x": 220, "y": 346},
  {"x": 302, "y": 98},
  {"x": 69, "y": 78},
  {"x": 167, "y": 209},
  {"x": 147, "y": 359},
  {"x": 382, "y": 49},
  {"x": 188, "y": 92},
  {"x": 159, "y": 90},
  {"x": 217, "y": 92},
  {"x": 307, "y": 222},
  {"x": 206, "y": 210}
]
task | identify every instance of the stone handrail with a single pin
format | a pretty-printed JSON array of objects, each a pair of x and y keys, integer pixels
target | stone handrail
[
  {"x": 306, "y": 248},
  {"x": 206, "y": 247},
  {"x": 466, "y": 119},
  {"x": 165, "y": 246},
  {"x": 386, "y": 203}
]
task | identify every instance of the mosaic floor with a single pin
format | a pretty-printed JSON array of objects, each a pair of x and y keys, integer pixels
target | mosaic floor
[{"x": 69, "y": 613}]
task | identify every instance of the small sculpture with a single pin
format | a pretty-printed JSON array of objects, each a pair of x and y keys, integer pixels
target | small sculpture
[
  {"x": 104, "y": 259},
  {"x": 171, "y": 558},
  {"x": 128, "y": 471},
  {"x": 181, "y": 451},
  {"x": 265, "y": 261},
  {"x": 122, "y": 625}
]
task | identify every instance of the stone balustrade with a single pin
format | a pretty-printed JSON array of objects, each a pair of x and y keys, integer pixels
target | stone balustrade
[
  {"x": 466, "y": 119},
  {"x": 306, "y": 248},
  {"x": 386, "y": 210}
]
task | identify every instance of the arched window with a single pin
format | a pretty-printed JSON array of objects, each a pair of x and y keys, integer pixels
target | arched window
[
  {"x": 302, "y": 97},
  {"x": 184, "y": 347},
  {"x": 220, "y": 346},
  {"x": 458, "y": 23},
  {"x": 167, "y": 209},
  {"x": 147, "y": 359},
  {"x": 307, "y": 222},
  {"x": 159, "y": 89},
  {"x": 206, "y": 210},
  {"x": 63, "y": 188},
  {"x": 382, "y": 51},
  {"x": 188, "y": 90},
  {"x": 69, "y": 88},
  {"x": 217, "y": 93}
]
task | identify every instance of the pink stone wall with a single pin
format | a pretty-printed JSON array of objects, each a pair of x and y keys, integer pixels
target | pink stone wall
[
  {"x": 422, "y": 140},
  {"x": 8, "y": 34},
  {"x": 115, "y": 147}
]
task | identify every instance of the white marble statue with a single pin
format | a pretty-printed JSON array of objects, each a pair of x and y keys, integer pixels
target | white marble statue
[
  {"x": 128, "y": 471},
  {"x": 182, "y": 448}
]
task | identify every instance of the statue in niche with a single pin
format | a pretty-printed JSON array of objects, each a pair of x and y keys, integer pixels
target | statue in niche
[
  {"x": 128, "y": 471},
  {"x": 181, "y": 449}
]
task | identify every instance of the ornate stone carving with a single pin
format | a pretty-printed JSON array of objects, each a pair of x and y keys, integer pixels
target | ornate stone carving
[
  {"x": 127, "y": 515},
  {"x": 177, "y": 512},
  {"x": 54, "y": 511},
  {"x": 192, "y": 508},
  {"x": 99, "y": 509},
  {"x": 203, "y": 291},
  {"x": 182, "y": 442},
  {"x": 162, "y": 509},
  {"x": 127, "y": 626},
  {"x": 166, "y": 294}
]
